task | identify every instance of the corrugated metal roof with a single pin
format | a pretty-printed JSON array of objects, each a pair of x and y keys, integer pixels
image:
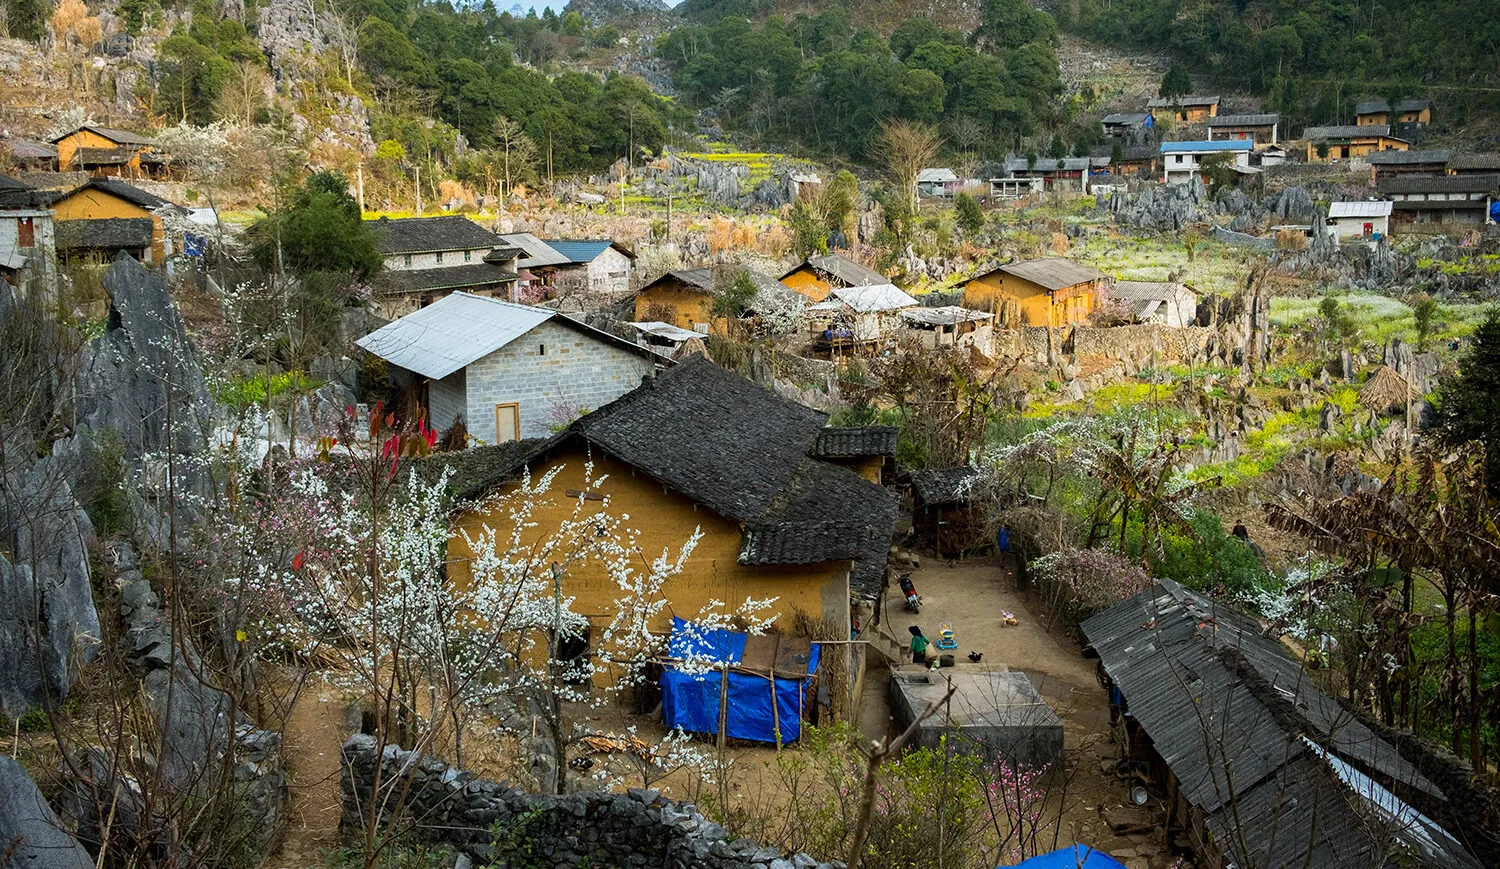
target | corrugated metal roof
[
  {"x": 1124, "y": 119},
  {"x": 946, "y": 315},
  {"x": 1265, "y": 120},
  {"x": 451, "y": 333},
  {"x": 934, "y": 176},
  {"x": 1156, "y": 291},
  {"x": 1373, "y": 208},
  {"x": 538, "y": 254},
  {"x": 1207, "y": 147},
  {"x": 1054, "y": 273},
  {"x": 665, "y": 330},
  {"x": 579, "y": 251},
  {"x": 28, "y": 149},
  {"x": 1228, "y": 708},
  {"x": 1437, "y": 156},
  {"x": 874, "y": 299},
  {"x": 1046, "y": 164}
]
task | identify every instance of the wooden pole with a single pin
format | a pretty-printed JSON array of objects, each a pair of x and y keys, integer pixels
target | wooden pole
[
  {"x": 723, "y": 703},
  {"x": 775, "y": 712}
]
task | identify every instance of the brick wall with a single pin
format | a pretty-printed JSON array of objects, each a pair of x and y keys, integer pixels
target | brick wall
[
  {"x": 446, "y": 400},
  {"x": 576, "y": 370}
]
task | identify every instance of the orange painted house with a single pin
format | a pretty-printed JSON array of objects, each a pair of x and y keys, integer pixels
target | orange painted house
[
  {"x": 1184, "y": 109},
  {"x": 1044, "y": 292},
  {"x": 815, "y": 276},
  {"x": 106, "y": 215},
  {"x": 102, "y": 151}
]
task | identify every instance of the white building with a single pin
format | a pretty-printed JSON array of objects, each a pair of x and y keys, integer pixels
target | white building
[
  {"x": 1166, "y": 302},
  {"x": 426, "y": 258},
  {"x": 28, "y": 243},
  {"x": 595, "y": 266},
  {"x": 1183, "y": 160},
  {"x": 1359, "y": 221},
  {"x": 860, "y": 314},
  {"x": 950, "y": 326}
]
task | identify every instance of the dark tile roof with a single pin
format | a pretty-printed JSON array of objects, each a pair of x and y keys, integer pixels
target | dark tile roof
[
  {"x": 502, "y": 255},
  {"x": 429, "y": 234},
  {"x": 1346, "y": 131},
  {"x": 128, "y": 192},
  {"x": 1438, "y": 184},
  {"x": 14, "y": 194},
  {"x": 1185, "y": 100},
  {"x": 1372, "y": 107},
  {"x": 846, "y": 270},
  {"x": 1407, "y": 158},
  {"x": 701, "y": 280},
  {"x": 124, "y": 137},
  {"x": 396, "y": 282},
  {"x": 1243, "y": 730},
  {"x": 30, "y": 149},
  {"x": 109, "y": 233},
  {"x": 944, "y": 485},
  {"x": 848, "y": 443},
  {"x": 1475, "y": 162},
  {"x": 104, "y": 156},
  {"x": 739, "y": 450},
  {"x": 475, "y": 471},
  {"x": 1264, "y": 120},
  {"x": 1125, "y": 119}
]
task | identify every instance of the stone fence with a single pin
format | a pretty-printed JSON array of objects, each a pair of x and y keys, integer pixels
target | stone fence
[
  {"x": 1138, "y": 343},
  {"x": 489, "y": 822}
]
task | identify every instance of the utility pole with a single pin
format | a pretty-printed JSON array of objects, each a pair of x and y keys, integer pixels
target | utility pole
[{"x": 419, "y": 189}]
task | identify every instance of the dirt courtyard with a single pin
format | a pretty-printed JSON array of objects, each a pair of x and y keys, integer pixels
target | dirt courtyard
[{"x": 973, "y": 596}]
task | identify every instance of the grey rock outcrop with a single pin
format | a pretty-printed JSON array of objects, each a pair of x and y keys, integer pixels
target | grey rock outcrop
[
  {"x": 1165, "y": 207},
  {"x": 33, "y": 836},
  {"x": 48, "y": 624},
  {"x": 454, "y": 809}
]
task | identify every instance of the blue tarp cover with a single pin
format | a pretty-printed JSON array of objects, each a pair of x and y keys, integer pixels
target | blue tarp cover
[
  {"x": 691, "y": 701},
  {"x": 1072, "y": 857}
]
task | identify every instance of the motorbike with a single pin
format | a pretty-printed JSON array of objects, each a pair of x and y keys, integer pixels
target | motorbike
[{"x": 913, "y": 602}]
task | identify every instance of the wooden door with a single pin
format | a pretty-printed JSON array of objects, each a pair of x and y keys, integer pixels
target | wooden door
[{"x": 507, "y": 423}]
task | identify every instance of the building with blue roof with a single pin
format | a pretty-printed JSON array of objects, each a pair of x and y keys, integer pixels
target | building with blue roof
[
  {"x": 595, "y": 266},
  {"x": 1183, "y": 160}
]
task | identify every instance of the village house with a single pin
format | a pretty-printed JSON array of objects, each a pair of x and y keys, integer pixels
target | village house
[
  {"x": 1067, "y": 173},
  {"x": 1474, "y": 164},
  {"x": 505, "y": 371},
  {"x": 1344, "y": 142},
  {"x": 29, "y": 155},
  {"x": 1184, "y": 109},
  {"x": 1014, "y": 188},
  {"x": 102, "y": 151},
  {"x": 1169, "y": 303},
  {"x": 1252, "y": 762},
  {"x": 598, "y": 267},
  {"x": 944, "y": 511},
  {"x": 1452, "y": 202},
  {"x": 950, "y": 326},
  {"x": 815, "y": 276},
  {"x": 941, "y": 182},
  {"x": 699, "y": 448},
  {"x": 1044, "y": 292},
  {"x": 1365, "y": 220},
  {"x": 1376, "y": 113},
  {"x": 536, "y": 263},
  {"x": 1260, "y": 129},
  {"x": 857, "y": 316},
  {"x": 685, "y": 298},
  {"x": 1130, "y": 126},
  {"x": 105, "y": 217},
  {"x": 28, "y": 254},
  {"x": 426, "y": 258},
  {"x": 1386, "y": 164},
  {"x": 1271, "y": 155},
  {"x": 1183, "y": 161},
  {"x": 667, "y": 340},
  {"x": 1136, "y": 161}
]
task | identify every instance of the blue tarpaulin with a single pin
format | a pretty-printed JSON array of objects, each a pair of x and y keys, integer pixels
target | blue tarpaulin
[
  {"x": 691, "y": 700},
  {"x": 1072, "y": 857}
]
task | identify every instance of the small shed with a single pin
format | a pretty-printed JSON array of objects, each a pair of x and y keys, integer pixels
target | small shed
[
  {"x": 1360, "y": 221},
  {"x": 1166, "y": 302},
  {"x": 948, "y": 325},
  {"x": 942, "y": 515},
  {"x": 997, "y": 714},
  {"x": 758, "y": 684},
  {"x": 937, "y": 182},
  {"x": 668, "y": 340},
  {"x": 861, "y": 315}
]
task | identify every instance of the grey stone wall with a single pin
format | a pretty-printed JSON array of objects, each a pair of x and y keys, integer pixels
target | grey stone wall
[
  {"x": 452, "y": 808},
  {"x": 446, "y": 399},
  {"x": 577, "y": 370}
]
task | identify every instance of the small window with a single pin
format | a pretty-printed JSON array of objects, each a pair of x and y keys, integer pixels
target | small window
[
  {"x": 468, "y": 255},
  {"x": 440, "y": 257},
  {"x": 541, "y": 349},
  {"x": 25, "y": 233},
  {"x": 407, "y": 259}
]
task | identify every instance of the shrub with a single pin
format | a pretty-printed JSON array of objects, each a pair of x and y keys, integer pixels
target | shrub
[
  {"x": 1080, "y": 582},
  {"x": 967, "y": 214}
]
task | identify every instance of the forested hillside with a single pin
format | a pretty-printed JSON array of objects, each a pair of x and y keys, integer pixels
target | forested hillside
[
  {"x": 825, "y": 81},
  {"x": 1312, "y": 59}
]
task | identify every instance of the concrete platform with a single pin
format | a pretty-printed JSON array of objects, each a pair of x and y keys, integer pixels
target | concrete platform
[{"x": 994, "y": 713}]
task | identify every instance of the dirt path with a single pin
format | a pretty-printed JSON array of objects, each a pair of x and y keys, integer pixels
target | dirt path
[
  {"x": 973, "y": 596},
  {"x": 315, "y": 730}
]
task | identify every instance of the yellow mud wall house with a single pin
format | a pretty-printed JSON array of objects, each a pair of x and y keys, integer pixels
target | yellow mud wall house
[
  {"x": 1344, "y": 142},
  {"x": 104, "y": 151},
  {"x": 701, "y": 448},
  {"x": 1045, "y": 292},
  {"x": 1183, "y": 109},
  {"x": 682, "y": 298},
  {"x": 102, "y": 202},
  {"x": 815, "y": 277}
]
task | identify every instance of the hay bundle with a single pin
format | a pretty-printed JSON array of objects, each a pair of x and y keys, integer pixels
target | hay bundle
[{"x": 1386, "y": 390}]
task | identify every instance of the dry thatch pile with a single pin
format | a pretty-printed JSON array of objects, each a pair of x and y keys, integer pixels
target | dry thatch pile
[{"x": 1386, "y": 391}]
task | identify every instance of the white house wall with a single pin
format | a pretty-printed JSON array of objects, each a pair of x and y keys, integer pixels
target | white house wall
[{"x": 398, "y": 263}]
